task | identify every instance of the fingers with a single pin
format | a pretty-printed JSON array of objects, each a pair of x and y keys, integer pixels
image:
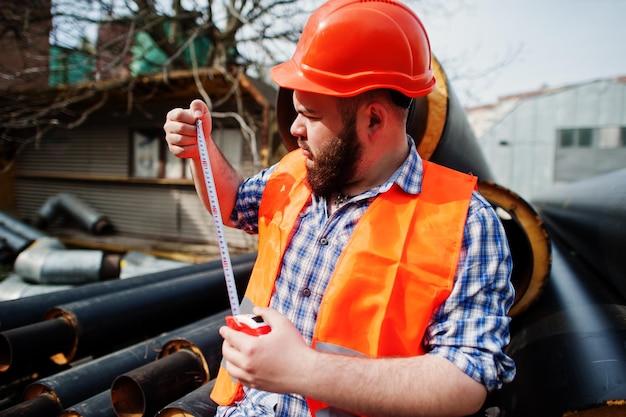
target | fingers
[
  {"x": 198, "y": 108},
  {"x": 180, "y": 129}
]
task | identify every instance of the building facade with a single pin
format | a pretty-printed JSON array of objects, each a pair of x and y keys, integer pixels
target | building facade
[{"x": 542, "y": 139}]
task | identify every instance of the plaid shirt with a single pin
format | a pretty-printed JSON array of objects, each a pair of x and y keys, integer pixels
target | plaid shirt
[{"x": 470, "y": 328}]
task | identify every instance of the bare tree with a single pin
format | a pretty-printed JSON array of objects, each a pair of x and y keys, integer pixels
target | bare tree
[{"x": 86, "y": 48}]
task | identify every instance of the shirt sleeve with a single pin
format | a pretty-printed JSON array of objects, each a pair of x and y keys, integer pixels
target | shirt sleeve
[
  {"x": 246, "y": 211},
  {"x": 471, "y": 328}
]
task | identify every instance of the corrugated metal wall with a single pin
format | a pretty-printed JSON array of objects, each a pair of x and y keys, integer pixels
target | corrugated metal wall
[
  {"x": 522, "y": 150},
  {"x": 92, "y": 162}
]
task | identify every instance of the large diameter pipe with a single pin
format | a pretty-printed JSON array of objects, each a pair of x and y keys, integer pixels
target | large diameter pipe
[
  {"x": 197, "y": 403},
  {"x": 528, "y": 240},
  {"x": 90, "y": 378},
  {"x": 185, "y": 363},
  {"x": 570, "y": 348},
  {"x": 99, "y": 320},
  {"x": 17, "y": 313},
  {"x": 439, "y": 126},
  {"x": 590, "y": 215}
]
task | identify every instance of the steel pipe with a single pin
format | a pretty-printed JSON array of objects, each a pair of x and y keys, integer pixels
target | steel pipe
[
  {"x": 28, "y": 346},
  {"x": 204, "y": 340},
  {"x": 590, "y": 215},
  {"x": 99, "y": 320},
  {"x": 90, "y": 378},
  {"x": 144, "y": 391},
  {"x": 185, "y": 363},
  {"x": 88, "y": 218},
  {"x": 195, "y": 404},
  {"x": 17, "y": 313},
  {"x": 97, "y": 406},
  {"x": 42, "y": 406},
  {"x": 570, "y": 348}
]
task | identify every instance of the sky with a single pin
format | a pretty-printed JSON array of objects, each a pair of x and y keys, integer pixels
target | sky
[{"x": 494, "y": 48}]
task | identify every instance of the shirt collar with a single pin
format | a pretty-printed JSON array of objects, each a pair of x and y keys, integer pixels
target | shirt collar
[{"x": 409, "y": 175}]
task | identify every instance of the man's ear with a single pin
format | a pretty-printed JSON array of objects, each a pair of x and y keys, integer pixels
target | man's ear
[{"x": 377, "y": 117}]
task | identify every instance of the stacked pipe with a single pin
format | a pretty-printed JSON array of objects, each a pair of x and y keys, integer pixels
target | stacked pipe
[
  {"x": 99, "y": 325},
  {"x": 86, "y": 386}
]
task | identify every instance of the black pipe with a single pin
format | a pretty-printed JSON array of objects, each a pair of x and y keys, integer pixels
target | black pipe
[
  {"x": 195, "y": 404},
  {"x": 16, "y": 313},
  {"x": 103, "y": 322},
  {"x": 42, "y": 406},
  {"x": 142, "y": 391},
  {"x": 97, "y": 406},
  {"x": 87, "y": 379},
  {"x": 570, "y": 348},
  {"x": 590, "y": 215},
  {"x": 205, "y": 340},
  {"x": 19, "y": 349}
]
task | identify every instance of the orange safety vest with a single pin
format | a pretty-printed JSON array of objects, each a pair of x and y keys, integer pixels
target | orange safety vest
[{"x": 403, "y": 253}]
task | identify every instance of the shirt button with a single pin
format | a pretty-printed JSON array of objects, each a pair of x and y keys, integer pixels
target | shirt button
[
  {"x": 323, "y": 241},
  {"x": 306, "y": 292}
]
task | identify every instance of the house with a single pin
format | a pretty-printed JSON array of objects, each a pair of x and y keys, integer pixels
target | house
[
  {"x": 540, "y": 139},
  {"x": 103, "y": 142},
  {"x": 116, "y": 161}
]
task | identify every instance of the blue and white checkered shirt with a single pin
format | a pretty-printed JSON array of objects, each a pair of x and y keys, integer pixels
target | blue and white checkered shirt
[{"x": 470, "y": 328}]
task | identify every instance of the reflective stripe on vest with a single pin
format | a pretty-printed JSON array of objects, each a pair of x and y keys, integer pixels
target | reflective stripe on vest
[{"x": 396, "y": 269}]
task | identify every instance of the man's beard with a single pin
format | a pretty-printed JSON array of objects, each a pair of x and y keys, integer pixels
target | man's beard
[{"x": 334, "y": 165}]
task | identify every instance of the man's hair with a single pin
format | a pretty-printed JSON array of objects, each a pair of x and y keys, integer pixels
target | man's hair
[{"x": 348, "y": 105}]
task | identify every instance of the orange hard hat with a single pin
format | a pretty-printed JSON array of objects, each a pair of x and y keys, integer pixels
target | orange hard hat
[{"x": 348, "y": 47}]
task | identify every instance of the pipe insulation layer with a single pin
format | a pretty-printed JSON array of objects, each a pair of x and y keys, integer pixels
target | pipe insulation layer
[
  {"x": 88, "y": 218},
  {"x": 47, "y": 261}
]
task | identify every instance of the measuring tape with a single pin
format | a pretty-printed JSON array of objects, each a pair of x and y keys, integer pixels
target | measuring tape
[{"x": 217, "y": 220}]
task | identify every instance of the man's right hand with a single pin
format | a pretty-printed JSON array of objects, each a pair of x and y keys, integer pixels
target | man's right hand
[{"x": 180, "y": 129}]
